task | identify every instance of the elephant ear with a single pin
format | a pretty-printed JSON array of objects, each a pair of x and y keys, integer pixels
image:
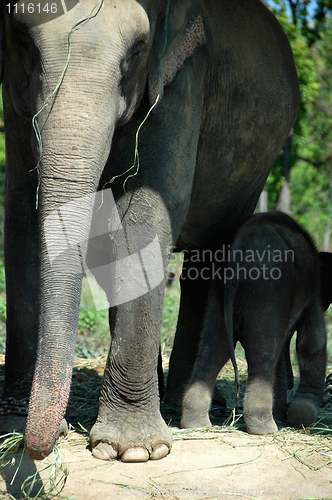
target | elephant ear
[{"x": 178, "y": 34}]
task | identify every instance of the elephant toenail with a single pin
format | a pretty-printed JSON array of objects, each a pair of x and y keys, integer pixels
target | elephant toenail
[
  {"x": 160, "y": 451},
  {"x": 137, "y": 454},
  {"x": 104, "y": 451}
]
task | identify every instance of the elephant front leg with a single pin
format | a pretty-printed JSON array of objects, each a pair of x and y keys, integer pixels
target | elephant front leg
[
  {"x": 129, "y": 424},
  {"x": 311, "y": 353}
]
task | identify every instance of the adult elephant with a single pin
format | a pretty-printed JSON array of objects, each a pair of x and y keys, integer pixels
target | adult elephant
[{"x": 222, "y": 78}]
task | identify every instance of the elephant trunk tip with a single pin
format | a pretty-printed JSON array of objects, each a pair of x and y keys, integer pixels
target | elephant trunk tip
[
  {"x": 38, "y": 450},
  {"x": 37, "y": 454}
]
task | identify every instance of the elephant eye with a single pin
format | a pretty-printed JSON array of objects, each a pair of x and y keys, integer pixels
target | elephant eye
[
  {"x": 133, "y": 57},
  {"x": 136, "y": 51}
]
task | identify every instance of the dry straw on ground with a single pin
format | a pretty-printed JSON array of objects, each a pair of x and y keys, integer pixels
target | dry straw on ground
[{"x": 311, "y": 447}]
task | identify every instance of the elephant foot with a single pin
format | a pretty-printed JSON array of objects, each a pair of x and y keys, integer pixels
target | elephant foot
[
  {"x": 194, "y": 421},
  {"x": 131, "y": 438},
  {"x": 260, "y": 426},
  {"x": 195, "y": 406},
  {"x": 258, "y": 404},
  {"x": 302, "y": 412},
  {"x": 105, "y": 451}
]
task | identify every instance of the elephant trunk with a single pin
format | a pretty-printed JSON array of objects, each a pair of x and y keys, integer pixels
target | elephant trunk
[
  {"x": 67, "y": 184},
  {"x": 52, "y": 379}
]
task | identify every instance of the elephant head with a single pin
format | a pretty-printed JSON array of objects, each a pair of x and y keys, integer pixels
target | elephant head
[{"x": 63, "y": 115}]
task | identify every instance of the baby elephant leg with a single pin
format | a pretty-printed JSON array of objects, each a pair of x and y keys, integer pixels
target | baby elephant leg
[
  {"x": 212, "y": 355},
  {"x": 311, "y": 353},
  {"x": 258, "y": 404},
  {"x": 262, "y": 342}
]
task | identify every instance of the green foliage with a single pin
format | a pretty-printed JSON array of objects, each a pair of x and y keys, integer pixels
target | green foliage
[
  {"x": 88, "y": 320},
  {"x": 310, "y": 158},
  {"x": 297, "y": 11},
  {"x": 2, "y": 276},
  {"x": 93, "y": 336},
  {"x": 305, "y": 65},
  {"x": 311, "y": 190},
  {"x": 310, "y": 202}
]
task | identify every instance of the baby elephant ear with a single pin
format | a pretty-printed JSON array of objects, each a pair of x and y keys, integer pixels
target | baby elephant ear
[{"x": 178, "y": 34}]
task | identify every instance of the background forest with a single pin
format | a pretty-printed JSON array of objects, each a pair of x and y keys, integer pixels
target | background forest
[{"x": 300, "y": 182}]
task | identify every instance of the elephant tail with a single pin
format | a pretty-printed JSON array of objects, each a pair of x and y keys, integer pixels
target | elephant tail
[{"x": 229, "y": 291}]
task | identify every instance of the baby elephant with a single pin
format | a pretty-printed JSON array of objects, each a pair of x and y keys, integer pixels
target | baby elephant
[{"x": 270, "y": 288}]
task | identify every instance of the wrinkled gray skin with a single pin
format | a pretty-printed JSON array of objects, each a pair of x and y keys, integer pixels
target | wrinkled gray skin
[
  {"x": 228, "y": 101},
  {"x": 262, "y": 311}
]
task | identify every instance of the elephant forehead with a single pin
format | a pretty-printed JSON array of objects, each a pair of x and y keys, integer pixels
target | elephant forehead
[
  {"x": 131, "y": 25},
  {"x": 106, "y": 23}
]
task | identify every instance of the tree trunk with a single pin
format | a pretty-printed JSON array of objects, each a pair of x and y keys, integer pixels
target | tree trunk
[
  {"x": 263, "y": 201},
  {"x": 284, "y": 198},
  {"x": 327, "y": 236},
  {"x": 284, "y": 201}
]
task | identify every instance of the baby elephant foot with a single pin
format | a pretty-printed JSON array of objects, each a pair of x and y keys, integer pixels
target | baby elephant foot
[
  {"x": 195, "y": 406},
  {"x": 258, "y": 403},
  {"x": 260, "y": 426},
  {"x": 132, "y": 438},
  {"x": 302, "y": 412}
]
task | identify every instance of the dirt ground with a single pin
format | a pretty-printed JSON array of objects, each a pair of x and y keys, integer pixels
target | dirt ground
[
  {"x": 224, "y": 462},
  {"x": 201, "y": 465}
]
